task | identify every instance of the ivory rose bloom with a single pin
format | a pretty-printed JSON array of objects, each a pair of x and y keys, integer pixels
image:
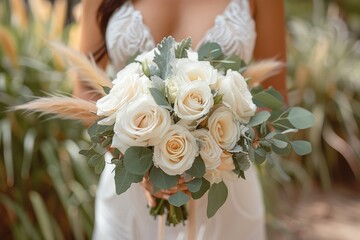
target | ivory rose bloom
[
  {"x": 224, "y": 171},
  {"x": 193, "y": 101},
  {"x": 127, "y": 89},
  {"x": 186, "y": 70},
  {"x": 131, "y": 69},
  {"x": 176, "y": 152},
  {"x": 237, "y": 96},
  {"x": 224, "y": 128},
  {"x": 209, "y": 150},
  {"x": 140, "y": 123}
]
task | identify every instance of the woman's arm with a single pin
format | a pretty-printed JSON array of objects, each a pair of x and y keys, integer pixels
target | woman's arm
[
  {"x": 91, "y": 40},
  {"x": 270, "y": 41}
]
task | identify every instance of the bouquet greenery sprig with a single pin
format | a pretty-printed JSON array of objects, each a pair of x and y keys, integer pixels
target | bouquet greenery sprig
[{"x": 178, "y": 115}]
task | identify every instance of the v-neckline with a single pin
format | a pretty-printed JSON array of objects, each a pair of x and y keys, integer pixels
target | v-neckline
[{"x": 202, "y": 39}]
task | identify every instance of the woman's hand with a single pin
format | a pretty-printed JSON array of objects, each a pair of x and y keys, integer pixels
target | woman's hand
[{"x": 164, "y": 194}]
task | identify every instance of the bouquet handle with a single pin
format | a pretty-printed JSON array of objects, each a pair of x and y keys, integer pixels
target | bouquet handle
[{"x": 191, "y": 223}]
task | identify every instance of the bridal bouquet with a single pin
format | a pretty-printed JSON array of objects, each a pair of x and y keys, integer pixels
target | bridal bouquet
[{"x": 174, "y": 115}]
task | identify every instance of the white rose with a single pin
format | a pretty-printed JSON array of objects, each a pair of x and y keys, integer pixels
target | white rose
[
  {"x": 193, "y": 100},
  {"x": 129, "y": 88},
  {"x": 186, "y": 71},
  {"x": 147, "y": 57},
  {"x": 224, "y": 128},
  {"x": 209, "y": 150},
  {"x": 140, "y": 123},
  {"x": 237, "y": 96},
  {"x": 130, "y": 69},
  {"x": 224, "y": 171},
  {"x": 192, "y": 55},
  {"x": 176, "y": 152}
]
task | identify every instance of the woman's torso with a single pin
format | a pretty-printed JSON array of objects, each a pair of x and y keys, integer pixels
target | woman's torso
[{"x": 138, "y": 25}]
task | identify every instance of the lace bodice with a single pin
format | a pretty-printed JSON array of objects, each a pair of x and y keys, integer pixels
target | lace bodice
[{"x": 127, "y": 35}]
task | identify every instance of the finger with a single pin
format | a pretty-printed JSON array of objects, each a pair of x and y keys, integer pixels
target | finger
[
  {"x": 162, "y": 195},
  {"x": 150, "y": 199}
]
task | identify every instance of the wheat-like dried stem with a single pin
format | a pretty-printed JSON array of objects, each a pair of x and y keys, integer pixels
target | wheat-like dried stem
[
  {"x": 262, "y": 70},
  {"x": 64, "y": 107}
]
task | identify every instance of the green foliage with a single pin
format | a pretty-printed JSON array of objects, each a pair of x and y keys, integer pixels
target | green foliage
[
  {"x": 205, "y": 185},
  {"x": 123, "y": 179},
  {"x": 138, "y": 160},
  {"x": 164, "y": 56},
  {"x": 198, "y": 168},
  {"x": 178, "y": 199},
  {"x": 160, "y": 98},
  {"x": 181, "y": 49},
  {"x": 212, "y": 52},
  {"x": 161, "y": 180},
  {"x": 217, "y": 196}
]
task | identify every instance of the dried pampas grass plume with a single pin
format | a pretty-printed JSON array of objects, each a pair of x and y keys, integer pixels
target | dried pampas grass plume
[
  {"x": 88, "y": 72},
  {"x": 260, "y": 71},
  {"x": 63, "y": 107}
]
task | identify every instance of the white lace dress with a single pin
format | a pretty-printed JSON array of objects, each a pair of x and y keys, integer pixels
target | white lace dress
[{"x": 126, "y": 216}]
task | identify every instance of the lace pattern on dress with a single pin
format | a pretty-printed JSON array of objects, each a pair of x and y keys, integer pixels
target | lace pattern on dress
[{"x": 127, "y": 35}]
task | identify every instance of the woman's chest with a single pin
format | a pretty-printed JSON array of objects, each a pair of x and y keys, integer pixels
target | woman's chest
[{"x": 138, "y": 26}]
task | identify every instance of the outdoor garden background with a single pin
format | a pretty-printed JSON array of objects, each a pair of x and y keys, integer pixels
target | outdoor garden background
[{"x": 47, "y": 189}]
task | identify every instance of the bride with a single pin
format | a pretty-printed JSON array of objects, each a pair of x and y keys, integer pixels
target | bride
[{"x": 115, "y": 30}]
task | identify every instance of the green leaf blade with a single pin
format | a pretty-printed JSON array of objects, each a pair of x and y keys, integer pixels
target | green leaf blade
[
  {"x": 138, "y": 160},
  {"x": 217, "y": 196},
  {"x": 178, "y": 199},
  {"x": 205, "y": 185},
  {"x": 301, "y": 118},
  {"x": 161, "y": 180},
  {"x": 181, "y": 49},
  {"x": 259, "y": 118},
  {"x": 123, "y": 179},
  {"x": 198, "y": 168},
  {"x": 160, "y": 98},
  {"x": 301, "y": 147},
  {"x": 164, "y": 56}
]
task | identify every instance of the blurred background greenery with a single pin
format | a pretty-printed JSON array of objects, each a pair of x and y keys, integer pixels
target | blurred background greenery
[{"x": 47, "y": 189}]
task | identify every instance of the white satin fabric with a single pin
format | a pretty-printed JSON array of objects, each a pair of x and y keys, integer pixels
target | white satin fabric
[{"x": 126, "y": 216}]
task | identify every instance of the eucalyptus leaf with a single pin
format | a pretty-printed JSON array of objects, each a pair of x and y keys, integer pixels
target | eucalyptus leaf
[
  {"x": 178, "y": 199},
  {"x": 138, "y": 160},
  {"x": 232, "y": 62},
  {"x": 162, "y": 180},
  {"x": 123, "y": 179},
  {"x": 205, "y": 185},
  {"x": 279, "y": 143},
  {"x": 165, "y": 56},
  {"x": 265, "y": 99},
  {"x": 160, "y": 98},
  {"x": 198, "y": 168},
  {"x": 301, "y": 118},
  {"x": 194, "y": 185},
  {"x": 95, "y": 159},
  {"x": 301, "y": 147},
  {"x": 281, "y": 150},
  {"x": 259, "y": 118},
  {"x": 209, "y": 50},
  {"x": 260, "y": 155},
  {"x": 218, "y": 193},
  {"x": 242, "y": 160},
  {"x": 99, "y": 167}
]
